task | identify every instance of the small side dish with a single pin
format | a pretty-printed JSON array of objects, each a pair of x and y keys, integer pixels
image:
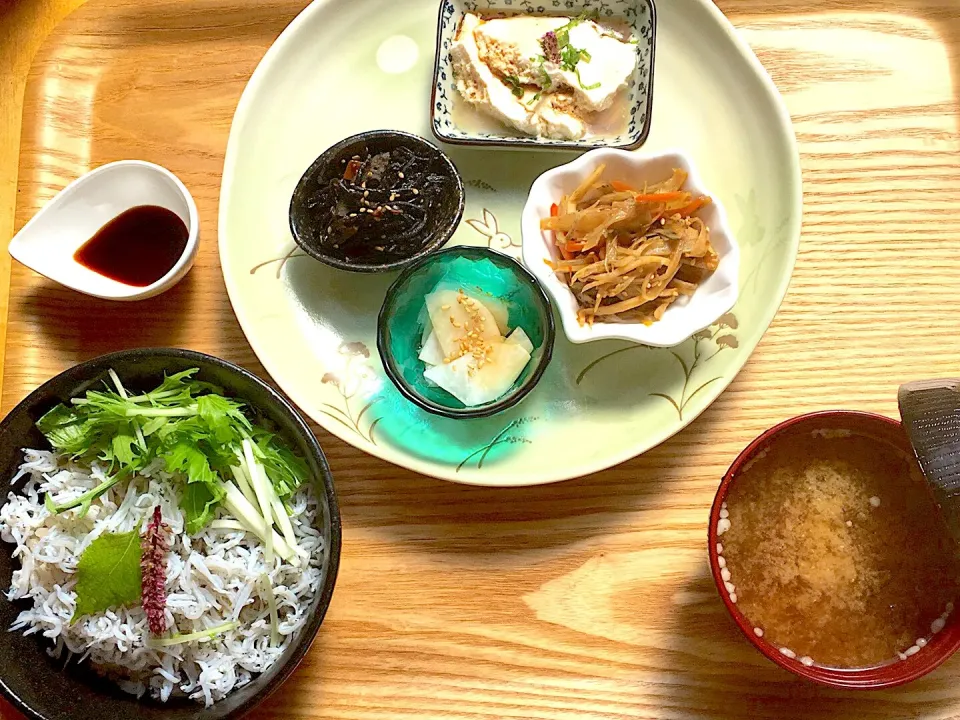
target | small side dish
[
  {"x": 628, "y": 253},
  {"x": 512, "y": 73},
  {"x": 631, "y": 247},
  {"x": 465, "y": 333},
  {"x": 830, "y": 545},
  {"x": 470, "y": 350},
  {"x": 549, "y": 76},
  {"x": 168, "y": 538},
  {"x": 376, "y": 201},
  {"x": 128, "y": 230}
]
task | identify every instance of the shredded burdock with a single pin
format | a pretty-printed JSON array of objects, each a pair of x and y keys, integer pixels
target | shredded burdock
[{"x": 629, "y": 253}]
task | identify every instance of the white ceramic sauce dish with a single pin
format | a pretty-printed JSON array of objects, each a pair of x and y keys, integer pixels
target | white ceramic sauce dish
[
  {"x": 716, "y": 295},
  {"x": 48, "y": 242}
]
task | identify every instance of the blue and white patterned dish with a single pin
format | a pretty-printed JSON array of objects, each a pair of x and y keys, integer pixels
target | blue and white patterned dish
[{"x": 641, "y": 15}]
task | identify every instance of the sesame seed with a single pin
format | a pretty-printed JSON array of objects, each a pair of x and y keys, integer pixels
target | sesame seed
[
  {"x": 787, "y": 652},
  {"x": 937, "y": 625},
  {"x": 379, "y": 248},
  {"x": 912, "y": 650},
  {"x": 719, "y": 549},
  {"x": 723, "y": 506},
  {"x": 722, "y": 562},
  {"x": 849, "y": 523},
  {"x": 400, "y": 175},
  {"x": 416, "y": 192},
  {"x": 724, "y": 513},
  {"x": 921, "y": 642},
  {"x": 758, "y": 632},
  {"x": 444, "y": 307},
  {"x": 902, "y": 656},
  {"x": 722, "y": 526},
  {"x": 733, "y": 598},
  {"x": 875, "y": 501},
  {"x": 807, "y": 660},
  {"x": 729, "y": 586},
  {"x": 725, "y": 574}
]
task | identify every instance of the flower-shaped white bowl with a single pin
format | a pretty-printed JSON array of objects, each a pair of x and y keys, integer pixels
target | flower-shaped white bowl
[{"x": 716, "y": 296}]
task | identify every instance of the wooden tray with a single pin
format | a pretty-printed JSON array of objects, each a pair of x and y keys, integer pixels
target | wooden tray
[{"x": 590, "y": 599}]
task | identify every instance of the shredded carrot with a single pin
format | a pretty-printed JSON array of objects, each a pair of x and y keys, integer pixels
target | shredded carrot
[
  {"x": 572, "y": 247},
  {"x": 694, "y": 206},
  {"x": 353, "y": 167},
  {"x": 621, "y": 186},
  {"x": 661, "y": 197},
  {"x": 564, "y": 252}
]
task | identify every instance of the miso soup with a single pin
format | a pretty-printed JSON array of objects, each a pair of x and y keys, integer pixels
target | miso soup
[{"x": 835, "y": 551}]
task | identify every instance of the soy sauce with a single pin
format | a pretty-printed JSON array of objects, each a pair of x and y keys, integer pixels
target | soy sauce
[{"x": 138, "y": 247}]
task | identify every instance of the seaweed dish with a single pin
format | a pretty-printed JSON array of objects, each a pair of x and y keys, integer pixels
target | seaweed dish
[{"x": 376, "y": 204}]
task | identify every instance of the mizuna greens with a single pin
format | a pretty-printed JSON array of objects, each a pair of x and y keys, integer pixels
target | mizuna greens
[{"x": 226, "y": 459}]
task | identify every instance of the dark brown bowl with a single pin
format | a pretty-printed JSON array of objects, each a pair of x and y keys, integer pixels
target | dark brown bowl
[
  {"x": 943, "y": 644},
  {"x": 444, "y": 216},
  {"x": 41, "y": 687}
]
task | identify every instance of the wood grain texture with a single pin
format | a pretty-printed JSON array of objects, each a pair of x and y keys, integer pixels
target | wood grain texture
[
  {"x": 590, "y": 599},
  {"x": 23, "y": 26}
]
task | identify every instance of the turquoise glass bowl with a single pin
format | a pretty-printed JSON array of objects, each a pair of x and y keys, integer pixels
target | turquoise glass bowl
[{"x": 403, "y": 320}]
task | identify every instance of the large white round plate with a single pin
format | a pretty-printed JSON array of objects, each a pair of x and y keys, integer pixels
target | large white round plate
[{"x": 342, "y": 67}]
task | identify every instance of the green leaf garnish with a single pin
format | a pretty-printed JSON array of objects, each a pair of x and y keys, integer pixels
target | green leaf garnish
[
  {"x": 199, "y": 502},
  {"x": 514, "y": 84},
  {"x": 188, "y": 424},
  {"x": 108, "y": 574}
]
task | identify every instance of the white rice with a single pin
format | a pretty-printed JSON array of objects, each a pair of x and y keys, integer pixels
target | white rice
[{"x": 212, "y": 578}]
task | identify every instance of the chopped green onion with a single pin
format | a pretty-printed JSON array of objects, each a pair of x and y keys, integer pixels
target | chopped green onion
[
  {"x": 200, "y": 636},
  {"x": 237, "y": 505},
  {"x": 586, "y": 87},
  {"x": 83, "y": 501},
  {"x": 243, "y": 482},
  {"x": 266, "y": 592},
  {"x": 264, "y": 492},
  {"x": 227, "y": 524}
]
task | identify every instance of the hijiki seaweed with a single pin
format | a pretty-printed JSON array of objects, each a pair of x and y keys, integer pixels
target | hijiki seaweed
[{"x": 376, "y": 207}]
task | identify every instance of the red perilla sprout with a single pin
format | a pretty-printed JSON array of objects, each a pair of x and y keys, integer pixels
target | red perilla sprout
[
  {"x": 153, "y": 572},
  {"x": 551, "y": 47}
]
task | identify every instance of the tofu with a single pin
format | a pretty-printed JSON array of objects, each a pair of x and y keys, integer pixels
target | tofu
[
  {"x": 482, "y": 385},
  {"x": 480, "y": 87},
  {"x": 510, "y": 46},
  {"x": 557, "y": 117},
  {"x": 611, "y": 64}
]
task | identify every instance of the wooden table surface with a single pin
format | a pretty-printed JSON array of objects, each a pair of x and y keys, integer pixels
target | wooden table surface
[{"x": 590, "y": 599}]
